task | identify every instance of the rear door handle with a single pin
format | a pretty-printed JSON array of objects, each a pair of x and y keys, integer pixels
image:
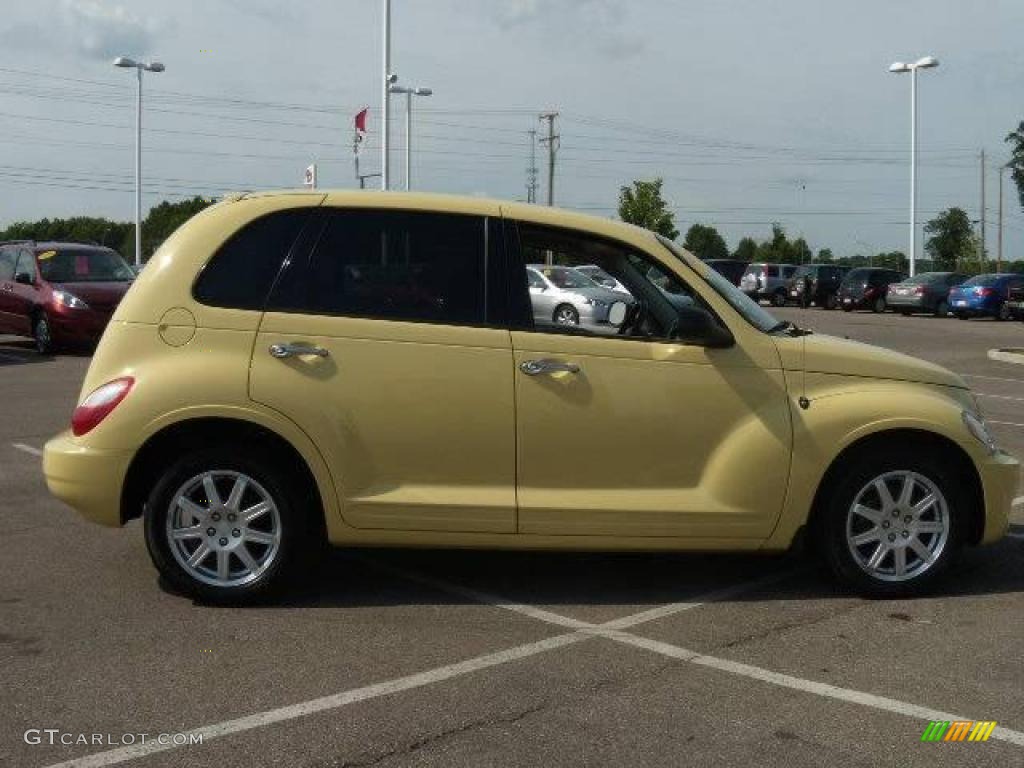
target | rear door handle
[
  {"x": 537, "y": 367},
  {"x": 281, "y": 351}
]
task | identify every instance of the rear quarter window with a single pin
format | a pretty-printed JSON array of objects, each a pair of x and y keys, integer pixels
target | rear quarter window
[{"x": 242, "y": 271}]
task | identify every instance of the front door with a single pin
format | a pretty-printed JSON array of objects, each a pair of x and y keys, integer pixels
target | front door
[
  {"x": 631, "y": 431},
  {"x": 387, "y": 344}
]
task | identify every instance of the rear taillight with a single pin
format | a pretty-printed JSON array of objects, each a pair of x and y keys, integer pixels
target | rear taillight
[
  {"x": 984, "y": 291},
  {"x": 98, "y": 405},
  {"x": 919, "y": 290}
]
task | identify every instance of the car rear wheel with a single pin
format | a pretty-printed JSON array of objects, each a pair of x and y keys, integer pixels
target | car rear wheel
[
  {"x": 893, "y": 522},
  {"x": 831, "y": 302},
  {"x": 1003, "y": 313},
  {"x": 224, "y": 526},
  {"x": 566, "y": 314},
  {"x": 878, "y": 305},
  {"x": 941, "y": 309},
  {"x": 779, "y": 298},
  {"x": 41, "y": 334}
]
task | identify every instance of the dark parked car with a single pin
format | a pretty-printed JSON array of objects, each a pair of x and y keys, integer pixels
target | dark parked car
[
  {"x": 817, "y": 284},
  {"x": 731, "y": 269},
  {"x": 60, "y": 293},
  {"x": 984, "y": 296},
  {"x": 926, "y": 292},
  {"x": 1015, "y": 303},
  {"x": 867, "y": 288}
]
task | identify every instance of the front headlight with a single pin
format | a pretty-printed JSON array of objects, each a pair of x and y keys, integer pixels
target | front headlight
[
  {"x": 977, "y": 427},
  {"x": 69, "y": 300}
]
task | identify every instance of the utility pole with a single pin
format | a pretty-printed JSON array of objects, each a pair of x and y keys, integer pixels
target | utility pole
[
  {"x": 982, "y": 255},
  {"x": 386, "y": 81},
  {"x": 999, "y": 237},
  {"x": 552, "y": 141},
  {"x": 531, "y": 171}
]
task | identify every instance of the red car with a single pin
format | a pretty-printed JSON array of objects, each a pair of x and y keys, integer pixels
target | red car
[{"x": 60, "y": 293}]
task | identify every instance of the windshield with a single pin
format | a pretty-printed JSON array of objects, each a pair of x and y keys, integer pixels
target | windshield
[
  {"x": 984, "y": 280},
  {"x": 83, "y": 265},
  {"x": 563, "y": 277},
  {"x": 857, "y": 276},
  {"x": 751, "y": 311}
]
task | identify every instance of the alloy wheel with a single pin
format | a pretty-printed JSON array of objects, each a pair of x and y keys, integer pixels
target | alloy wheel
[
  {"x": 223, "y": 528},
  {"x": 897, "y": 526},
  {"x": 566, "y": 315}
]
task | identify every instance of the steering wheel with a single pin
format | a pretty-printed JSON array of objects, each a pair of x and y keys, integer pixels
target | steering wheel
[{"x": 634, "y": 314}]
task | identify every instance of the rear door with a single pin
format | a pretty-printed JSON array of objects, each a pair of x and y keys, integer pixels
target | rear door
[{"x": 386, "y": 343}]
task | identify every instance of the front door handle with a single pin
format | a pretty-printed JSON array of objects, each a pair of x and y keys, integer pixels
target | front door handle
[
  {"x": 281, "y": 351},
  {"x": 537, "y": 367}
]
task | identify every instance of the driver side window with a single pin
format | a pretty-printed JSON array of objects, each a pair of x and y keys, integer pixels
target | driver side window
[{"x": 575, "y": 280}]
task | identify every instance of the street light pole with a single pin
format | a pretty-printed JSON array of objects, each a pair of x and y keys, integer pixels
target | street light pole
[
  {"x": 387, "y": 80},
  {"x": 899, "y": 67},
  {"x": 149, "y": 66},
  {"x": 409, "y": 93}
]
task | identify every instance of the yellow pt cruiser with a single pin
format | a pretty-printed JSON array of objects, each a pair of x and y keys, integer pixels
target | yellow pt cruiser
[{"x": 391, "y": 370}]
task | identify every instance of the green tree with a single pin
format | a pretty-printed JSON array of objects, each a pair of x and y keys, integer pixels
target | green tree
[
  {"x": 800, "y": 252},
  {"x": 161, "y": 222},
  {"x": 825, "y": 256},
  {"x": 705, "y": 242},
  {"x": 1016, "y": 142},
  {"x": 86, "y": 229},
  {"x": 951, "y": 238},
  {"x": 643, "y": 205},
  {"x": 746, "y": 250}
]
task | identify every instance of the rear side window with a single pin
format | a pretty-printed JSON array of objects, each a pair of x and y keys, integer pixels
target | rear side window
[
  {"x": 393, "y": 265},
  {"x": 771, "y": 271},
  {"x": 240, "y": 274}
]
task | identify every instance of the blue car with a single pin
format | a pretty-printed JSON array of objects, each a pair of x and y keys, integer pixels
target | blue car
[{"x": 984, "y": 296}]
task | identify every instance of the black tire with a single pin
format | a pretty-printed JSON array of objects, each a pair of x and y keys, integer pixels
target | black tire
[
  {"x": 858, "y": 471},
  {"x": 779, "y": 298},
  {"x": 568, "y": 313},
  {"x": 299, "y": 531},
  {"x": 41, "y": 334},
  {"x": 847, "y": 308},
  {"x": 878, "y": 305},
  {"x": 942, "y": 309},
  {"x": 905, "y": 312},
  {"x": 831, "y": 302},
  {"x": 1003, "y": 313},
  {"x": 962, "y": 316}
]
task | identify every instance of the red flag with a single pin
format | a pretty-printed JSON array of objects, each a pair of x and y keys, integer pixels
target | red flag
[{"x": 361, "y": 121}]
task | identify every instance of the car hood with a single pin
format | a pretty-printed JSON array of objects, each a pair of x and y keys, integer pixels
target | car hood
[
  {"x": 604, "y": 294},
  {"x": 829, "y": 354},
  {"x": 97, "y": 295}
]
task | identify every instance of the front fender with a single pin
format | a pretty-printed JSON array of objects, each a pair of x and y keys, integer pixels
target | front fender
[{"x": 841, "y": 410}]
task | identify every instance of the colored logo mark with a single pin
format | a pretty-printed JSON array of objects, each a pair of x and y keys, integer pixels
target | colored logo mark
[{"x": 958, "y": 730}]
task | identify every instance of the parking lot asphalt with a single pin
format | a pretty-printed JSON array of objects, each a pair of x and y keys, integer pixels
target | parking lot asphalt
[{"x": 481, "y": 658}]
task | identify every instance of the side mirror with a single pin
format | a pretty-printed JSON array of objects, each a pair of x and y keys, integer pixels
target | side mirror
[
  {"x": 698, "y": 326},
  {"x": 24, "y": 278},
  {"x": 617, "y": 312}
]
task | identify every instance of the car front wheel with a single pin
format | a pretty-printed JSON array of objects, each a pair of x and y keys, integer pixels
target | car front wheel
[
  {"x": 892, "y": 524},
  {"x": 566, "y": 314},
  {"x": 223, "y": 526},
  {"x": 42, "y": 335}
]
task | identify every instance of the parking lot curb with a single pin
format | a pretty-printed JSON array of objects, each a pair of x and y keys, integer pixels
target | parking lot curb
[{"x": 1013, "y": 355}]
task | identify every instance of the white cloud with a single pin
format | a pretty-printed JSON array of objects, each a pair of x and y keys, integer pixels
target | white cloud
[{"x": 102, "y": 30}]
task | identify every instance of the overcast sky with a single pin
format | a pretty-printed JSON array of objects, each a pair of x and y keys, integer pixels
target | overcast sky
[{"x": 753, "y": 110}]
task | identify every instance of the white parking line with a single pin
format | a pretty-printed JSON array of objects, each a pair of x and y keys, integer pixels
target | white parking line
[
  {"x": 335, "y": 701},
  {"x": 27, "y": 449},
  {"x": 1000, "y": 397},
  {"x": 612, "y": 630},
  {"x": 990, "y": 378},
  {"x": 1005, "y": 423}
]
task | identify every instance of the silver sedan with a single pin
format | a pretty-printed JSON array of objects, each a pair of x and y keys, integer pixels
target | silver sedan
[{"x": 564, "y": 296}]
